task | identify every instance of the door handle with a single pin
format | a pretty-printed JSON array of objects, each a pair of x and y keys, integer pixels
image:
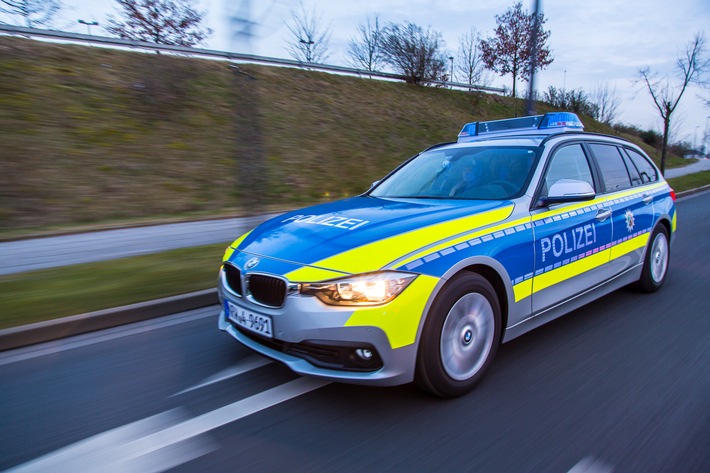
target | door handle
[
  {"x": 647, "y": 199},
  {"x": 603, "y": 214}
]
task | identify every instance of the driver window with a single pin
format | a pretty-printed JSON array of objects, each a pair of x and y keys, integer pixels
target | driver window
[{"x": 568, "y": 162}]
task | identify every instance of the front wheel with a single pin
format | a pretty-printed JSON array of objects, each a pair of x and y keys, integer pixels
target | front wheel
[
  {"x": 655, "y": 265},
  {"x": 460, "y": 337}
]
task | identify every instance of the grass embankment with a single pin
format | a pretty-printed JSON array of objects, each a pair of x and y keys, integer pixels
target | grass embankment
[
  {"x": 94, "y": 135},
  {"x": 93, "y": 138},
  {"x": 690, "y": 181},
  {"x": 52, "y": 293},
  {"x": 97, "y": 137}
]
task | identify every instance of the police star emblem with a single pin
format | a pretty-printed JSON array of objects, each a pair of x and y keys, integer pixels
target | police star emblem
[{"x": 630, "y": 220}]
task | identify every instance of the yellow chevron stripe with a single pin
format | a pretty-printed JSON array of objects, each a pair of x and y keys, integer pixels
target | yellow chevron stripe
[
  {"x": 461, "y": 239},
  {"x": 379, "y": 253},
  {"x": 570, "y": 270},
  {"x": 629, "y": 245},
  {"x": 230, "y": 249},
  {"x": 400, "y": 318},
  {"x": 523, "y": 290},
  {"x": 545, "y": 280},
  {"x": 228, "y": 253}
]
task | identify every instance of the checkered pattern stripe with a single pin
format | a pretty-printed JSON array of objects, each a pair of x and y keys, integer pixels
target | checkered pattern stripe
[{"x": 539, "y": 223}]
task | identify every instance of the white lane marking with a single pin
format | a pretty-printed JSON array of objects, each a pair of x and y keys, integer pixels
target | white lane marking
[
  {"x": 104, "y": 452},
  {"x": 590, "y": 465},
  {"x": 149, "y": 445},
  {"x": 166, "y": 458},
  {"x": 78, "y": 341},
  {"x": 247, "y": 364}
]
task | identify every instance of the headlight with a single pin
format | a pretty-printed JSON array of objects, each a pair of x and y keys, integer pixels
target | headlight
[{"x": 365, "y": 289}]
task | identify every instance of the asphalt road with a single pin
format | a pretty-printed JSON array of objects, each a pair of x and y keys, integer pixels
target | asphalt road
[
  {"x": 698, "y": 166},
  {"x": 620, "y": 385},
  {"x": 62, "y": 250}
]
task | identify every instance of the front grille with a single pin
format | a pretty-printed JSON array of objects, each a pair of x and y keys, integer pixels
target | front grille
[
  {"x": 234, "y": 278},
  {"x": 267, "y": 290}
]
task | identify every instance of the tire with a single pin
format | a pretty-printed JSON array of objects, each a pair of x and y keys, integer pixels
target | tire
[
  {"x": 656, "y": 261},
  {"x": 460, "y": 336}
]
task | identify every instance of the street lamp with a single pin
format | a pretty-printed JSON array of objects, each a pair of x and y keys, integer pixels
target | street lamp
[
  {"x": 89, "y": 24},
  {"x": 564, "y": 82},
  {"x": 451, "y": 77}
]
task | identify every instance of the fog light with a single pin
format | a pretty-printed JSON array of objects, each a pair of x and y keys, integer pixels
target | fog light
[{"x": 364, "y": 353}]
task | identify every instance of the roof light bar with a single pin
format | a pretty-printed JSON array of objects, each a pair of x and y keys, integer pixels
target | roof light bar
[{"x": 553, "y": 122}]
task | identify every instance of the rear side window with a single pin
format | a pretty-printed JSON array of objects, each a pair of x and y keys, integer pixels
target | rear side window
[
  {"x": 613, "y": 169},
  {"x": 633, "y": 172},
  {"x": 646, "y": 170}
]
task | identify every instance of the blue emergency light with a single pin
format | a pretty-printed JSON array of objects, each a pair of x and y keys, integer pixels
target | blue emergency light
[{"x": 553, "y": 122}]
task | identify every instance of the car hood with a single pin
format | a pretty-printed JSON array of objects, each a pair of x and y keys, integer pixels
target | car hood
[{"x": 360, "y": 234}]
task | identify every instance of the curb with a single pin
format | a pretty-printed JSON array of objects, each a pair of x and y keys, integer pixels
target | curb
[
  {"x": 40, "y": 332},
  {"x": 693, "y": 191}
]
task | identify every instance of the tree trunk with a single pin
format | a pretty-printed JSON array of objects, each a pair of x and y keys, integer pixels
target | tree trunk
[{"x": 666, "y": 127}]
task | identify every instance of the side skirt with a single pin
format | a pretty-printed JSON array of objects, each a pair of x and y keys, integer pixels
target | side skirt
[{"x": 629, "y": 276}]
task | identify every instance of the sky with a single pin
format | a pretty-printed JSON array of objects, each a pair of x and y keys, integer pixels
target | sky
[{"x": 593, "y": 42}]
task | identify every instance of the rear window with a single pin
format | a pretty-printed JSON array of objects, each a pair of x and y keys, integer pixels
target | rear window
[
  {"x": 613, "y": 169},
  {"x": 646, "y": 170}
]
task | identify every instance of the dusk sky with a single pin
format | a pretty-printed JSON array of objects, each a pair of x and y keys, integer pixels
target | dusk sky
[{"x": 593, "y": 42}]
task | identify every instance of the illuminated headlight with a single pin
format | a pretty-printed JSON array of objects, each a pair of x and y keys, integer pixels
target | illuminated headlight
[{"x": 365, "y": 289}]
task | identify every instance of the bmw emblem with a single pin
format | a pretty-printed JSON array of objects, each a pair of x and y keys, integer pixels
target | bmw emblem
[{"x": 251, "y": 264}]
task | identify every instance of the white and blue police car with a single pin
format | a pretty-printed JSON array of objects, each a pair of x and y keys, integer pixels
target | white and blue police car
[{"x": 462, "y": 247}]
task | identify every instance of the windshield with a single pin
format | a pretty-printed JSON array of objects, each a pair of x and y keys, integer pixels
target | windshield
[{"x": 487, "y": 173}]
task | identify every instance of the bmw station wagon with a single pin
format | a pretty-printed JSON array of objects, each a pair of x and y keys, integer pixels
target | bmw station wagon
[{"x": 462, "y": 247}]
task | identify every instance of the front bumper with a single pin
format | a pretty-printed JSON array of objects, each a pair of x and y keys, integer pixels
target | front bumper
[{"x": 313, "y": 339}]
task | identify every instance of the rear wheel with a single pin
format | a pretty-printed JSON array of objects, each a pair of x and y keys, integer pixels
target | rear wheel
[
  {"x": 460, "y": 337},
  {"x": 655, "y": 266}
]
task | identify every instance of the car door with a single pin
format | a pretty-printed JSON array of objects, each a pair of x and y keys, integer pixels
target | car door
[
  {"x": 630, "y": 200},
  {"x": 571, "y": 239}
]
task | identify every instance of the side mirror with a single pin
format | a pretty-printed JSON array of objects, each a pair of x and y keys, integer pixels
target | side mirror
[
  {"x": 374, "y": 184},
  {"x": 569, "y": 190}
]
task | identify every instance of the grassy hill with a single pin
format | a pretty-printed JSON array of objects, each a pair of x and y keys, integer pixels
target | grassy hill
[{"x": 94, "y": 136}]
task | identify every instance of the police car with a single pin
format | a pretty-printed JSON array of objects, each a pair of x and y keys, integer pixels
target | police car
[{"x": 462, "y": 247}]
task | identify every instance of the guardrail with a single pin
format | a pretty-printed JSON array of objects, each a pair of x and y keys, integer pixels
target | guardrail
[{"x": 223, "y": 55}]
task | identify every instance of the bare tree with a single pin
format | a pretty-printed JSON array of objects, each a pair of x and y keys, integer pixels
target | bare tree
[
  {"x": 414, "y": 52},
  {"x": 470, "y": 60},
  {"x": 365, "y": 50},
  {"x": 309, "y": 38},
  {"x": 509, "y": 50},
  {"x": 173, "y": 22},
  {"x": 606, "y": 102},
  {"x": 33, "y": 12},
  {"x": 691, "y": 64}
]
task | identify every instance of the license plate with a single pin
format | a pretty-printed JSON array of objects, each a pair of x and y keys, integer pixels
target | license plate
[{"x": 256, "y": 323}]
